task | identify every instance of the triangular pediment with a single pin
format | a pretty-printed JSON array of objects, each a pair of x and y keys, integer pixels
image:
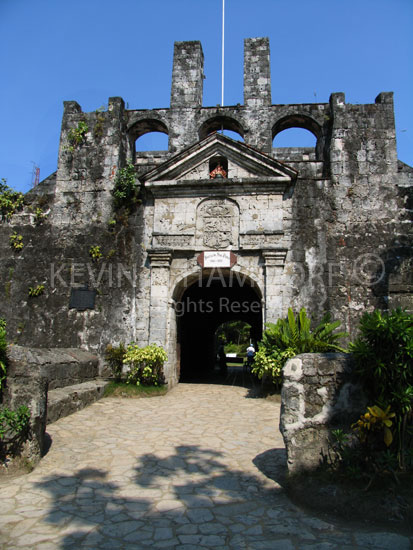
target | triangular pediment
[{"x": 243, "y": 163}]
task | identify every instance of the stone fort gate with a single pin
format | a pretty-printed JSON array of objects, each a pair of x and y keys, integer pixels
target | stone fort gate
[{"x": 227, "y": 229}]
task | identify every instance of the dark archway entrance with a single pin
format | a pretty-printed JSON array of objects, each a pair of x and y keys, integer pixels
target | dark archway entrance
[{"x": 211, "y": 300}]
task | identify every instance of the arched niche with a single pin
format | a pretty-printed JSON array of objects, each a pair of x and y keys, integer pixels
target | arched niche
[{"x": 218, "y": 123}]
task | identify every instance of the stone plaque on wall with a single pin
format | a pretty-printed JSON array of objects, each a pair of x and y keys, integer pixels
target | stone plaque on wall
[
  {"x": 173, "y": 241},
  {"x": 82, "y": 299},
  {"x": 217, "y": 258}
]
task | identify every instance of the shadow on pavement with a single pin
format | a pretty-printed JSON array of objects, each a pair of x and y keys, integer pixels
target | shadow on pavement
[{"x": 189, "y": 497}]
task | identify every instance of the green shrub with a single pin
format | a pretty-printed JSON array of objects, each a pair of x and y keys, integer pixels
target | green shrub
[
  {"x": 10, "y": 200},
  {"x": 77, "y": 136},
  {"x": 146, "y": 364},
  {"x": 384, "y": 364},
  {"x": 14, "y": 430},
  {"x": 16, "y": 241},
  {"x": 114, "y": 358},
  {"x": 39, "y": 216},
  {"x": 239, "y": 349},
  {"x": 36, "y": 291},
  {"x": 95, "y": 253},
  {"x": 290, "y": 337},
  {"x": 125, "y": 191}
]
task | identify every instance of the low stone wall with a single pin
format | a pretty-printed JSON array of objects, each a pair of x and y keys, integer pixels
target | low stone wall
[
  {"x": 31, "y": 373},
  {"x": 318, "y": 394}
]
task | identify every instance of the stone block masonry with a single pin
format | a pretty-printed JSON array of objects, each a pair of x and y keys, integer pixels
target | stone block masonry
[
  {"x": 31, "y": 373},
  {"x": 327, "y": 228},
  {"x": 318, "y": 395}
]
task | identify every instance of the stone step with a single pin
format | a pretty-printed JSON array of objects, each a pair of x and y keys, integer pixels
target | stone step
[{"x": 64, "y": 401}]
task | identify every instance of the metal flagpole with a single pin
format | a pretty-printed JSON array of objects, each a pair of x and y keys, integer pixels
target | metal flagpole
[{"x": 223, "y": 52}]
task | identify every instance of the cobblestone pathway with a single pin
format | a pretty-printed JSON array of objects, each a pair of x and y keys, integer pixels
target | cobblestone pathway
[{"x": 196, "y": 469}]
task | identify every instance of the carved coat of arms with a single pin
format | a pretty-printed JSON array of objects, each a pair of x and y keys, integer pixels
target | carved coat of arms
[{"x": 217, "y": 222}]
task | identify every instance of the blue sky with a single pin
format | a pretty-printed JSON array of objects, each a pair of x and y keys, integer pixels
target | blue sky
[{"x": 90, "y": 50}]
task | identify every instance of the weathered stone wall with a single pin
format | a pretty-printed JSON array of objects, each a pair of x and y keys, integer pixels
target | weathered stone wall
[
  {"x": 319, "y": 394},
  {"x": 31, "y": 373},
  {"x": 339, "y": 238}
]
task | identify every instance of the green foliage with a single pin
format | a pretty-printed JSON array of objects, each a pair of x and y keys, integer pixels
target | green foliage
[
  {"x": 146, "y": 364},
  {"x": 16, "y": 241},
  {"x": 95, "y": 253},
  {"x": 111, "y": 225},
  {"x": 77, "y": 136},
  {"x": 100, "y": 120},
  {"x": 364, "y": 454},
  {"x": 125, "y": 191},
  {"x": 36, "y": 291},
  {"x": 14, "y": 430},
  {"x": 268, "y": 363},
  {"x": 375, "y": 420},
  {"x": 235, "y": 336},
  {"x": 290, "y": 337},
  {"x": 39, "y": 216},
  {"x": 238, "y": 349},
  {"x": 114, "y": 358},
  {"x": 10, "y": 201},
  {"x": 384, "y": 364},
  {"x": 3, "y": 353},
  {"x": 384, "y": 355}
]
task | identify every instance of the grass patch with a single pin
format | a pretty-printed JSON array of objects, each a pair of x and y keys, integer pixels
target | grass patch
[{"x": 121, "y": 389}]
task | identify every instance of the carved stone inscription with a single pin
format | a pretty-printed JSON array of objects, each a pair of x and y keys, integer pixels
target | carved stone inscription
[{"x": 217, "y": 224}]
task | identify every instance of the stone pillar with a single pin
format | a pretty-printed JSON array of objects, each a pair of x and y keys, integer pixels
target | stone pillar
[
  {"x": 187, "y": 75},
  {"x": 257, "y": 76},
  {"x": 186, "y": 94},
  {"x": 160, "y": 261},
  {"x": 257, "y": 93},
  {"x": 274, "y": 266}
]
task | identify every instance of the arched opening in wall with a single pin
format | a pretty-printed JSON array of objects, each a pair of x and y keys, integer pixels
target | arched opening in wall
[
  {"x": 227, "y": 125},
  {"x": 148, "y": 136},
  {"x": 219, "y": 296},
  {"x": 297, "y": 138},
  {"x": 152, "y": 141}
]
